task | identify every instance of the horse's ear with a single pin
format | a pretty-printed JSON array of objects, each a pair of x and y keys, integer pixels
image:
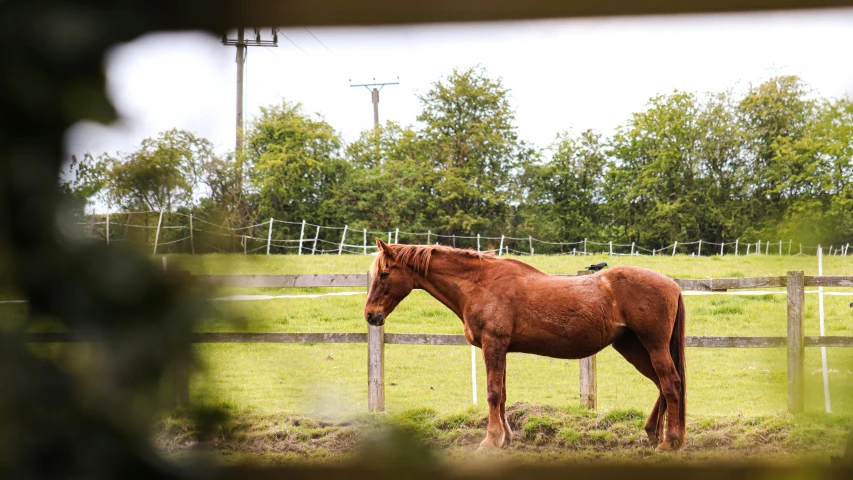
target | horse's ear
[{"x": 383, "y": 247}]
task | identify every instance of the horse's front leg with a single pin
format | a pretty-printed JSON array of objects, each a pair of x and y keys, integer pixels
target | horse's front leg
[{"x": 494, "y": 354}]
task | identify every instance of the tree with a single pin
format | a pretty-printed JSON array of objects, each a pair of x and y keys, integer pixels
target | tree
[
  {"x": 295, "y": 165},
  {"x": 776, "y": 116},
  {"x": 390, "y": 181},
  {"x": 566, "y": 195},
  {"x": 652, "y": 187},
  {"x": 472, "y": 146},
  {"x": 162, "y": 174}
]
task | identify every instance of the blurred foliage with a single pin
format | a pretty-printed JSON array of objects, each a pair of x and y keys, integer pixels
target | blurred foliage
[{"x": 78, "y": 415}]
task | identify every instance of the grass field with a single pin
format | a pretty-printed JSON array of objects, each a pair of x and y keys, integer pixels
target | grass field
[{"x": 328, "y": 382}]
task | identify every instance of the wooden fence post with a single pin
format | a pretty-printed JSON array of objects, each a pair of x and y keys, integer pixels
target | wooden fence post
[
  {"x": 180, "y": 372},
  {"x": 181, "y": 381},
  {"x": 796, "y": 365},
  {"x": 376, "y": 368},
  {"x": 584, "y": 246},
  {"x": 588, "y": 390},
  {"x": 780, "y": 247},
  {"x": 429, "y": 234},
  {"x": 610, "y": 247}
]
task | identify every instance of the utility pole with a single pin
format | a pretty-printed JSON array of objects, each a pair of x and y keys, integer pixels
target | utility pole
[
  {"x": 241, "y": 43},
  {"x": 374, "y": 90}
]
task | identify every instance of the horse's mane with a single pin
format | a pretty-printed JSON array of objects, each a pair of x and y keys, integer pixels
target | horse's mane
[{"x": 418, "y": 257}]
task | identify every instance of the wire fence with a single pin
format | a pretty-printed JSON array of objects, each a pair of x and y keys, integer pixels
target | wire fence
[{"x": 179, "y": 232}]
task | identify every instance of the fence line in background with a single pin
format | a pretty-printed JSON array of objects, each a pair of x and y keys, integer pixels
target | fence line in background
[{"x": 289, "y": 236}]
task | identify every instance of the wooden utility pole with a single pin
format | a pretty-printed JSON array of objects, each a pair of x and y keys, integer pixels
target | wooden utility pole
[
  {"x": 374, "y": 92},
  {"x": 241, "y": 43}
]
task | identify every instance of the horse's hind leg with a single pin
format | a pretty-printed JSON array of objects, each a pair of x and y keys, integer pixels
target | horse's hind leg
[
  {"x": 494, "y": 354},
  {"x": 670, "y": 384},
  {"x": 635, "y": 352},
  {"x": 507, "y": 430}
]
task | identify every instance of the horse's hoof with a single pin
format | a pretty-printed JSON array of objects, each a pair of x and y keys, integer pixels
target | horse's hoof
[
  {"x": 653, "y": 440},
  {"x": 669, "y": 446}
]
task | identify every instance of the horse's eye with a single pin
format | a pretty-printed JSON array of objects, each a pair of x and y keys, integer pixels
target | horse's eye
[{"x": 383, "y": 275}]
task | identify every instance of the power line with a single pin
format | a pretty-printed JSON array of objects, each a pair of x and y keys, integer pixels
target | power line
[
  {"x": 297, "y": 46},
  {"x": 321, "y": 43}
]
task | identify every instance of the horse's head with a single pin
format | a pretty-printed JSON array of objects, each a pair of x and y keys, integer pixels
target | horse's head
[{"x": 391, "y": 281}]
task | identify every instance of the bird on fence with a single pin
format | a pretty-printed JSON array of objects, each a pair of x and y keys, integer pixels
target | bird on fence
[{"x": 597, "y": 266}]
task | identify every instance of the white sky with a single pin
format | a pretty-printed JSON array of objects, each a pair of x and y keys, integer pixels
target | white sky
[{"x": 563, "y": 74}]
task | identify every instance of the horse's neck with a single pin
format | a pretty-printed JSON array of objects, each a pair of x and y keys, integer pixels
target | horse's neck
[{"x": 445, "y": 281}]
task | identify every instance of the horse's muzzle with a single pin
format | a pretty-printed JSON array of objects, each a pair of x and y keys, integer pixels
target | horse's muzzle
[{"x": 376, "y": 320}]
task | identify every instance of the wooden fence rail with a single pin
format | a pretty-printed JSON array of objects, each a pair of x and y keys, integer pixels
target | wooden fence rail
[{"x": 376, "y": 338}]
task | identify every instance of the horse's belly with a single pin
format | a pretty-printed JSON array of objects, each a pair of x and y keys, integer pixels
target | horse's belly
[{"x": 557, "y": 346}]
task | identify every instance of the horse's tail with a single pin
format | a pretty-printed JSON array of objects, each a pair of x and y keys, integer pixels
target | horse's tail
[{"x": 676, "y": 350}]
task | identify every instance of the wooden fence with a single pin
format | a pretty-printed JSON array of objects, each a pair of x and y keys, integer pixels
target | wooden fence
[{"x": 376, "y": 338}]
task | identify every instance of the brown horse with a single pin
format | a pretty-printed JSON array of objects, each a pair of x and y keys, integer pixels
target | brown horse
[{"x": 508, "y": 306}]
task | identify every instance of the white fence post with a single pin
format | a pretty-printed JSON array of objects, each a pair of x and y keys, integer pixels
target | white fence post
[
  {"x": 822, "y": 332},
  {"x": 157, "y": 235},
  {"x": 474, "y": 374},
  {"x": 780, "y": 247},
  {"x": 674, "y": 246},
  {"x": 397, "y": 236},
  {"x": 316, "y": 236},
  {"x": 632, "y": 248},
  {"x": 584, "y": 246},
  {"x": 365, "y": 241},
  {"x": 722, "y": 249},
  {"x": 389, "y": 236},
  {"x": 501, "y": 249},
  {"x": 736, "y": 245},
  {"x": 192, "y": 240},
  {"x": 429, "y": 234},
  {"x": 301, "y": 237},
  {"x": 343, "y": 237},
  {"x": 767, "y": 247},
  {"x": 610, "y": 246},
  {"x": 759, "y": 247},
  {"x": 478, "y": 249},
  {"x": 699, "y": 254},
  {"x": 530, "y": 240},
  {"x": 269, "y": 238}
]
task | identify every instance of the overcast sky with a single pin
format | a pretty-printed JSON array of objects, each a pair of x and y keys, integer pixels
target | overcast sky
[{"x": 563, "y": 74}]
